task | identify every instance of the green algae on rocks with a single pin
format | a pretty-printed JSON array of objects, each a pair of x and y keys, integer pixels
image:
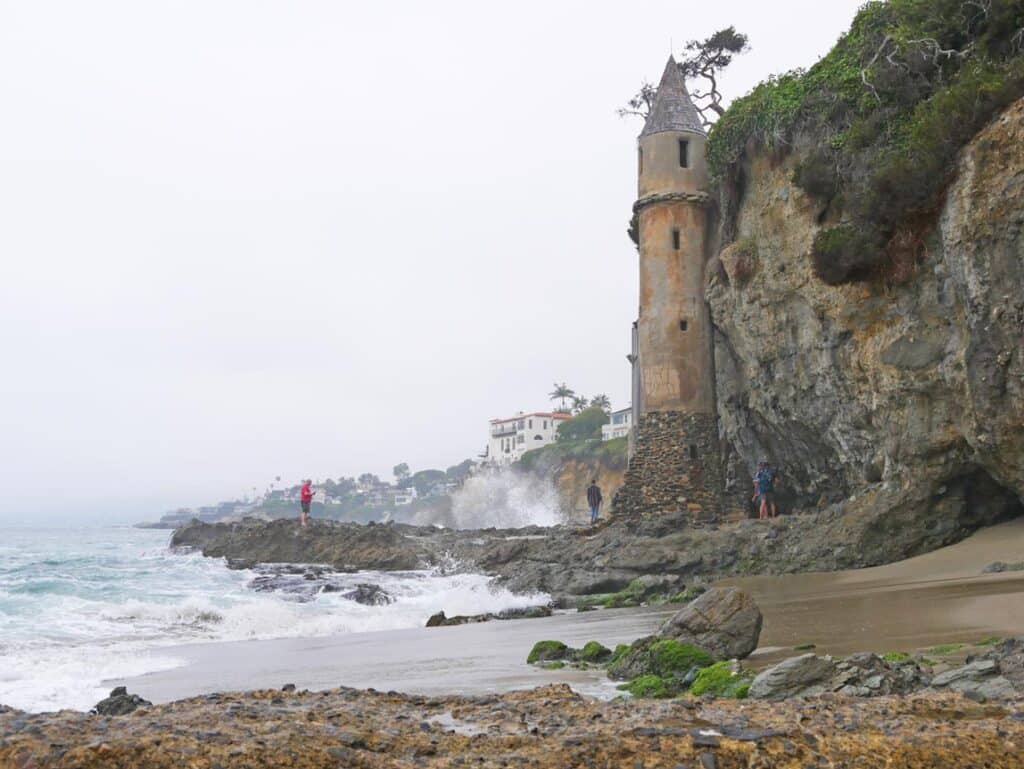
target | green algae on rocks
[{"x": 548, "y": 651}]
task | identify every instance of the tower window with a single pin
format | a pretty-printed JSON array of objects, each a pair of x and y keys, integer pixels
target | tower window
[
  {"x": 675, "y": 238},
  {"x": 684, "y": 153},
  {"x": 693, "y": 451},
  {"x": 640, "y": 160},
  {"x": 682, "y": 325}
]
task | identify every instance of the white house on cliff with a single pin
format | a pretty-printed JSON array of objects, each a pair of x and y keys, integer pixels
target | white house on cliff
[{"x": 508, "y": 439}]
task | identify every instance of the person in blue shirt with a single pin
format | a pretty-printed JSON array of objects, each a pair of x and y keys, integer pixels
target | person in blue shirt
[{"x": 764, "y": 490}]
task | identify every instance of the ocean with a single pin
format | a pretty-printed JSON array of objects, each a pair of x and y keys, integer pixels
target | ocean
[{"x": 81, "y": 609}]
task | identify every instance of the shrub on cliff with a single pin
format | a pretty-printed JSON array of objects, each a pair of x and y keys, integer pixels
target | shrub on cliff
[
  {"x": 584, "y": 426},
  {"x": 886, "y": 111},
  {"x": 612, "y": 454}
]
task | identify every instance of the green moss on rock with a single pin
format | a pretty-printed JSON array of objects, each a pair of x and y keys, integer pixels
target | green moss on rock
[
  {"x": 670, "y": 657},
  {"x": 895, "y": 656},
  {"x": 945, "y": 649},
  {"x": 885, "y": 112},
  {"x": 688, "y": 595},
  {"x": 621, "y": 650},
  {"x": 648, "y": 686},
  {"x": 720, "y": 680},
  {"x": 594, "y": 652},
  {"x": 544, "y": 651}
]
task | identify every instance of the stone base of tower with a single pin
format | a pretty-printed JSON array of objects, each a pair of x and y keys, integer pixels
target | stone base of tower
[{"x": 676, "y": 466}]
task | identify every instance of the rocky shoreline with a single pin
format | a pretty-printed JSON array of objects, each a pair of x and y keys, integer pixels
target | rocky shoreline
[
  {"x": 883, "y": 526},
  {"x": 547, "y": 727}
]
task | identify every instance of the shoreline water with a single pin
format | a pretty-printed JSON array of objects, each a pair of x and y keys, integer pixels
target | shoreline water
[
  {"x": 80, "y": 607},
  {"x": 940, "y": 597}
]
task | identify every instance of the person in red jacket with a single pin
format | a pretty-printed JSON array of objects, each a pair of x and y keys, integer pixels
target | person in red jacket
[{"x": 305, "y": 499}]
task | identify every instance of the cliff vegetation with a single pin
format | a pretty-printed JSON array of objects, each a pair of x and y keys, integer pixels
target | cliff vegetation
[{"x": 882, "y": 118}]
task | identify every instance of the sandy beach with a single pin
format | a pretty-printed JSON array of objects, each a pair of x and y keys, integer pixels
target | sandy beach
[{"x": 940, "y": 597}]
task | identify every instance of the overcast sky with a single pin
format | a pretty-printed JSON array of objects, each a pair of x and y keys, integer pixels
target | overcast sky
[{"x": 248, "y": 239}]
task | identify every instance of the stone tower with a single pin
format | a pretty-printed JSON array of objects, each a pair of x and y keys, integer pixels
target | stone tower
[{"x": 676, "y": 463}]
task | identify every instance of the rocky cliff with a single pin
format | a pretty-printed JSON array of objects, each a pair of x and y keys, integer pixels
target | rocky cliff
[
  {"x": 571, "y": 475},
  {"x": 904, "y": 394}
]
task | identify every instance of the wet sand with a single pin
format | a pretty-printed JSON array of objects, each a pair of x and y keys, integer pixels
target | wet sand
[
  {"x": 940, "y": 597},
  {"x": 936, "y": 598},
  {"x": 467, "y": 659}
]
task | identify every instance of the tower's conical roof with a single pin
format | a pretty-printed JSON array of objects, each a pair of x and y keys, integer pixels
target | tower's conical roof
[{"x": 672, "y": 110}]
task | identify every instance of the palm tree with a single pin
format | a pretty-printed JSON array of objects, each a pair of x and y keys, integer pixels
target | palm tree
[
  {"x": 602, "y": 402},
  {"x": 561, "y": 392},
  {"x": 579, "y": 403}
]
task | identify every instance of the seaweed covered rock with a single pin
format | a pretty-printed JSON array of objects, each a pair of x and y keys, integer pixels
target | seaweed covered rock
[
  {"x": 549, "y": 651},
  {"x": 723, "y": 679},
  {"x": 594, "y": 652},
  {"x": 664, "y": 657},
  {"x": 725, "y": 621}
]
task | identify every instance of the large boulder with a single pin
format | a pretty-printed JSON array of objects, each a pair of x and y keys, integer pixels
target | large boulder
[
  {"x": 725, "y": 621},
  {"x": 801, "y": 676}
]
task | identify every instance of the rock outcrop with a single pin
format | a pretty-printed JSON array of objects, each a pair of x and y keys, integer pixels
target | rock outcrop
[
  {"x": 551, "y": 727},
  {"x": 859, "y": 675},
  {"x": 725, "y": 621},
  {"x": 798, "y": 676},
  {"x": 345, "y": 546},
  {"x": 568, "y": 563},
  {"x": 119, "y": 703},
  {"x": 906, "y": 395}
]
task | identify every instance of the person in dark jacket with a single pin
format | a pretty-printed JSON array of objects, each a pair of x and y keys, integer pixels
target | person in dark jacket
[{"x": 594, "y": 501}]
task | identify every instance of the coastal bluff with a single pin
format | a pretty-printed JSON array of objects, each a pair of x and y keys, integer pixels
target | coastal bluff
[{"x": 900, "y": 390}]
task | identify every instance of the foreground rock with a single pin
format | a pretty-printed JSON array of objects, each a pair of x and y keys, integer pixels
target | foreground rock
[
  {"x": 529, "y": 612},
  {"x": 996, "y": 675},
  {"x": 725, "y": 621},
  {"x": 805, "y": 675},
  {"x": 305, "y": 582},
  {"x": 119, "y": 702},
  {"x": 547, "y": 728}
]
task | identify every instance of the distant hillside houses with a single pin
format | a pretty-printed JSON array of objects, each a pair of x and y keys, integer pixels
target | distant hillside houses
[
  {"x": 365, "y": 498},
  {"x": 508, "y": 439}
]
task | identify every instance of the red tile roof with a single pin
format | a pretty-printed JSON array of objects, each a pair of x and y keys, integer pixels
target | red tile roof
[{"x": 543, "y": 414}]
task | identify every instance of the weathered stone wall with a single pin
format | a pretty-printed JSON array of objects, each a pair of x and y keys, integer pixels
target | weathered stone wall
[{"x": 676, "y": 467}]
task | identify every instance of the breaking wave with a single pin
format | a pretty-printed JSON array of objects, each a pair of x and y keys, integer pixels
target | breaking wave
[
  {"x": 82, "y": 610},
  {"x": 504, "y": 498}
]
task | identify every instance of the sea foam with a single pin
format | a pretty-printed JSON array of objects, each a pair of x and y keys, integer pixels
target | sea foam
[{"x": 81, "y": 611}]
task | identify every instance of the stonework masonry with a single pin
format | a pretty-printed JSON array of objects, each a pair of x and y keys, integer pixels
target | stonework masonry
[
  {"x": 676, "y": 463},
  {"x": 676, "y": 467}
]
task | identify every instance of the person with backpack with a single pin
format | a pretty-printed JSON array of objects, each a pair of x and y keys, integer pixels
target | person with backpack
[
  {"x": 594, "y": 501},
  {"x": 305, "y": 500},
  {"x": 764, "y": 490}
]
